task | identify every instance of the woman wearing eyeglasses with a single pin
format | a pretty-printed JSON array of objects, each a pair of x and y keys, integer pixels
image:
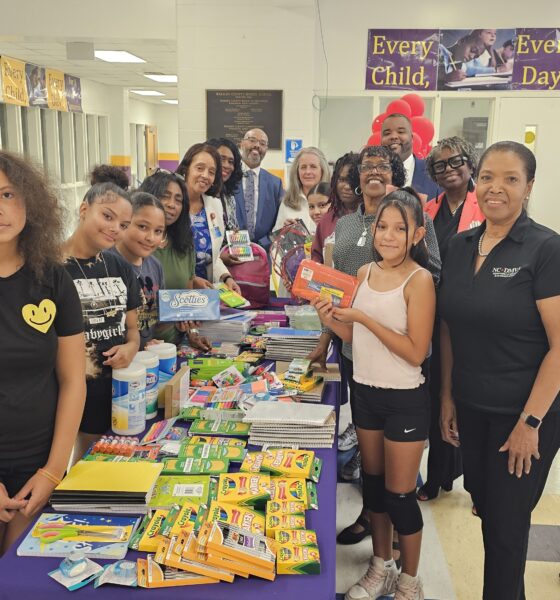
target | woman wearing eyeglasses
[{"x": 451, "y": 164}]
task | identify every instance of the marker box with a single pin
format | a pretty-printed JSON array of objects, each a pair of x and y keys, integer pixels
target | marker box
[
  {"x": 202, "y": 426},
  {"x": 212, "y": 452},
  {"x": 194, "y": 466},
  {"x": 298, "y": 560},
  {"x": 219, "y": 441}
]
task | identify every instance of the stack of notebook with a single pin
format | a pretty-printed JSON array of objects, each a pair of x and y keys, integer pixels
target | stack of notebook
[
  {"x": 233, "y": 326},
  {"x": 104, "y": 487},
  {"x": 284, "y": 425},
  {"x": 285, "y": 343}
]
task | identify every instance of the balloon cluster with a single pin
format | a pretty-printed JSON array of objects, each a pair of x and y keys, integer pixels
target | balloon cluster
[{"x": 412, "y": 106}]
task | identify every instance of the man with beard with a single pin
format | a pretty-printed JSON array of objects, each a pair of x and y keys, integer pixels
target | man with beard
[{"x": 259, "y": 194}]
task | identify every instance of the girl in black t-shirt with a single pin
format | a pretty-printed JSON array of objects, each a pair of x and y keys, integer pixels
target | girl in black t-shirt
[
  {"x": 42, "y": 373},
  {"x": 110, "y": 294}
]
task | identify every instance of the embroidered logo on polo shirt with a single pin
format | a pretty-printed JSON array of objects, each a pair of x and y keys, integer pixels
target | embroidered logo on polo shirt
[{"x": 505, "y": 271}]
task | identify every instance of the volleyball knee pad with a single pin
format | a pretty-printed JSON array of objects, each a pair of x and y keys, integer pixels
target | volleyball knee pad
[
  {"x": 373, "y": 491},
  {"x": 404, "y": 512}
]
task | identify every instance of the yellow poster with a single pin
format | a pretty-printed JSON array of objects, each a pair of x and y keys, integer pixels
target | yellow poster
[
  {"x": 56, "y": 92},
  {"x": 14, "y": 88}
]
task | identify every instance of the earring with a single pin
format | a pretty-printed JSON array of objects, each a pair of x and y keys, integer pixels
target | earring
[{"x": 358, "y": 190}]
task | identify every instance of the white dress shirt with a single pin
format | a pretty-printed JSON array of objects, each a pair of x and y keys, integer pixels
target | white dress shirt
[{"x": 409, "y": 170}]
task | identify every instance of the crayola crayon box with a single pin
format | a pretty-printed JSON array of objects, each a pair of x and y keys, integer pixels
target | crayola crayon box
[
  {"x": 152, "y": 537},
  {"x": 294, "y": 488},
  {"x": 220, "y": 441},
  {"x": 298, "y": 560},
  {"x": 275, "y": 523},
  {"x": 284, "y": 462},
  {"x": 235, "y": 514},
  {"x": 212, "y": 452},
  {"x": 244, "y": 488},
  {"x": 187, "y": 517},
  {"x": 296, "y": 537},
  {"x": 285, "y": 507},
  {"x": 194, "y": 466},
  {"x": 220, "y": 427}
]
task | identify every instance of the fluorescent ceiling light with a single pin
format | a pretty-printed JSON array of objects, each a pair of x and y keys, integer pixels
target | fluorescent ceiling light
[
  {"x": 118, "y": 56},
  {"x": 171, "y": 101},
  {"x": 147, "y": 93},
  {"x": 161, "y": 78}
]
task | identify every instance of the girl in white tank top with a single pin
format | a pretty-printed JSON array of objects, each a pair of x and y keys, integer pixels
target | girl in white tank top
[{"x": 390, "y": 327}]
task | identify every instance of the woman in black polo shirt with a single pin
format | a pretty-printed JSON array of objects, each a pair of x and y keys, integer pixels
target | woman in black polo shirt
[{"x": 500, "y": 304}]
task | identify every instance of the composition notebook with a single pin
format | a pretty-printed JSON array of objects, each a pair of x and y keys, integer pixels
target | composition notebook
[
  {"x": 98, "y": 536},
  {"x": 89, "y": 486}
]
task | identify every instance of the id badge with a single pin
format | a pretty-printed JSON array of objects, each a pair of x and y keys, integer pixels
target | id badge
[{"x": 217, "y": 232}]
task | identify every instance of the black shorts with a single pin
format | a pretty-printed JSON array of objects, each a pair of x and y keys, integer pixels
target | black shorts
[
  {"x": 14, "y": 474},
  {"x": 97, "y": 411},
  {"x": 403, "y": 415}
]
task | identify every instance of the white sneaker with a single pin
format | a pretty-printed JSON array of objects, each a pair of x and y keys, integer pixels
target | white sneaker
[
  {"x": 351, "y": 470},
  {"x": 409, "y": 588},
  {"x": 348, "y": 438},
  {"x": 378, "y": 581}
]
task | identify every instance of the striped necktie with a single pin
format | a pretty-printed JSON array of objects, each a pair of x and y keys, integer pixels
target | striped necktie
[{"x": 249, "y": 195}]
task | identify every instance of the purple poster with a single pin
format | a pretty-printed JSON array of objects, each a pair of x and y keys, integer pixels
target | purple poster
[
  {"x": 537, "y": 60},
  {"x": 36, "y": 87},
  {"x": 476, "y": 59},
  {"x": 402, "y": 59},
  {"x": 73, "y": 87}
]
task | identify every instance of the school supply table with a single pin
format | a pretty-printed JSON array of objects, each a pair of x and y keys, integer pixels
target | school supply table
[{"x": 26, "y": 577}]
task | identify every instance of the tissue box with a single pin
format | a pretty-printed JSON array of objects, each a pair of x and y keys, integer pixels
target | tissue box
[{"x": 188, "y": 305}]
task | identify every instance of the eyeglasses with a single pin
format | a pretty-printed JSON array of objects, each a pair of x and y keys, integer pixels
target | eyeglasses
[
  {"x": 166, "y": 172},
  {"x": 370, "y": 168},
  {"x": 454, "y": 162},
  {"x": 254, "y": 140}
]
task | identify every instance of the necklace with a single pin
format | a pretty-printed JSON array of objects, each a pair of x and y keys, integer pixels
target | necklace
[
  {"x": 113, "y": 311},
  {"x": 480, "y": 252},
  {"x": 456, "y": 208},
  {"x": 362, "y": 239}
]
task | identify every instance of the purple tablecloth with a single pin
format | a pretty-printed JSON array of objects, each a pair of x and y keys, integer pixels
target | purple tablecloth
[{"x": 26, "y": 577}]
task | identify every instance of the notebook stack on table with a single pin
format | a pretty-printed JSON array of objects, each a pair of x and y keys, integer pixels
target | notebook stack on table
[
  {"x": 233, "y": 326},
  {"x": 285, "y": 343},
  {"x": 282, "y": 425}
]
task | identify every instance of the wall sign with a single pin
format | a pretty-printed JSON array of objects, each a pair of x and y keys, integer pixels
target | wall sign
[{"x": 231, "y": 113}]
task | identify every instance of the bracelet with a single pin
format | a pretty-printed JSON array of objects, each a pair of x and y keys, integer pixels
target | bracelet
[
  {"x": 49, "y": 476},
  {"x": 226, "y": 278},
  {"x": 194, "y": 330}
]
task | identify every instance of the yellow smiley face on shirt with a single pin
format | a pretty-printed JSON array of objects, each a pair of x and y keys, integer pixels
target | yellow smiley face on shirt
[{"x": 39, "y": 317}]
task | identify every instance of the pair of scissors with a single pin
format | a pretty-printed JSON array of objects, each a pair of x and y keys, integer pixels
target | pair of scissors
[{"x": 53, "y": 532}]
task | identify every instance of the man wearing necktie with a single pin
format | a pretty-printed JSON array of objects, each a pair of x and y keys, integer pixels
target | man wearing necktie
[{"x": 259, "y": 194}]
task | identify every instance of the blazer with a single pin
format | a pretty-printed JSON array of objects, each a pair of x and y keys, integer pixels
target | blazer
[
  {"x": 270, "y": 196},
  {"x": 215, "y": 218},
  {"x": 471, "y": 216},
  {"x": 422, "y": 182}
]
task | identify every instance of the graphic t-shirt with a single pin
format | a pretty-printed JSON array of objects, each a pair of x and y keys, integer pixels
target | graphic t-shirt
[
  {"x": 150, "y": 280},
  {"x": 202, "y": 243},
  {"x": 33, "y": 316},
  {"x": 108, "y": 288}
]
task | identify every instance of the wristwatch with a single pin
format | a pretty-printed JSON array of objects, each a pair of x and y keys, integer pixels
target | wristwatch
[{"x": 531, "y": 420}]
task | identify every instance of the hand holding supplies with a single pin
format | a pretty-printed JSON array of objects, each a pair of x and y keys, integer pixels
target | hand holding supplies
[{"x": 314, "y": 280}]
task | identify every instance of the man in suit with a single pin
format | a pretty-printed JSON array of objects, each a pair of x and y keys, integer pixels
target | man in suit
[
  {"x": 259, "y": 194},
  {"x": 396, "y": 132}
]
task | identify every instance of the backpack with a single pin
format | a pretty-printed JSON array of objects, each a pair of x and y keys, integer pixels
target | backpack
[{"x": 253, "y": 277}]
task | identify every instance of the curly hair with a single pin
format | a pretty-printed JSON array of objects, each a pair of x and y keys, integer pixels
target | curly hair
[
  {"x": 229, "y": 186},
  {"x": 180, "y": 233},
  {"x": 105, "y": 173},
  {"x": 397, "y": 167},
  {"x": 184, "y": 165},
  {"x": 40, "y": 241},
  {"x": 294, "y": 193},
  {"x": 455, "y": 144},
  {"x": 348, "y": 159}
]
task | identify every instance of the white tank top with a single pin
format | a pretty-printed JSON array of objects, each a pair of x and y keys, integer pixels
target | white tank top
[{"x": 374, "y": 363}]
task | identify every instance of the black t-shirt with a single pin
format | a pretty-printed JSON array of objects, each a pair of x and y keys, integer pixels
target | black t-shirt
[
  {"x": 33, "y": 316},
  {"x": 108, "y": 288},
  {"x": 446, "y": 225},
  {"x": 497, "y": 334}
]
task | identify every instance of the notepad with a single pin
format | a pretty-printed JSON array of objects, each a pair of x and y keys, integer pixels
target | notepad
[{"x": 292, "y": 414}]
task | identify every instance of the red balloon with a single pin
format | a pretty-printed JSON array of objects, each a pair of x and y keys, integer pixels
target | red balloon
[
  {"x": 399, "y": 106},
  {"x": 416, "y": 104},
  {"x": 424, "y": 128},
  {"x": 417, "y": 144},
  {"x": 378, "y": 122},
  {"x": 374, "y": 139}
]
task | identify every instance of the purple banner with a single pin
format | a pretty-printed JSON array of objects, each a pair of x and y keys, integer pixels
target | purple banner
[
  {"x": 402, "y": 59},
  {"x": 537, "y": 60},
  {"x": 36, "y": 87},
  {"x": 73, "y": 87}
]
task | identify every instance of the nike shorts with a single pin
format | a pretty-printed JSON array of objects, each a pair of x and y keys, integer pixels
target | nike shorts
[{"x": 403, "y": 415}]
